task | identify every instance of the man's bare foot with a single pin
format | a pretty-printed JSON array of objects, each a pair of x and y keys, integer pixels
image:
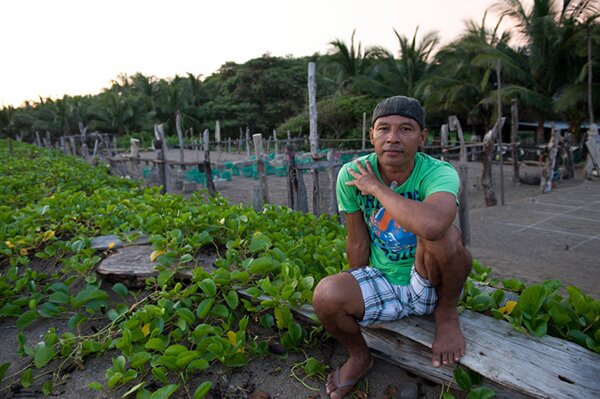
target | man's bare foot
[
  {"x": 449, "y": 343},
  {"x": 337, "y": 386}
]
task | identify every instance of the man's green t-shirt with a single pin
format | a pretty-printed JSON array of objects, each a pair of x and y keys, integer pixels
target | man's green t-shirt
[{"x": 393, "y": 247}]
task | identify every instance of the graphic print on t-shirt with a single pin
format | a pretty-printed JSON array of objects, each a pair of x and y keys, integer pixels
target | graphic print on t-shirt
[{"x": 396, "y": 241}]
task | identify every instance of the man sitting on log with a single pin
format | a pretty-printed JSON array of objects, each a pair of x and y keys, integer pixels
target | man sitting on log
[{"x": 405, "y": 255}]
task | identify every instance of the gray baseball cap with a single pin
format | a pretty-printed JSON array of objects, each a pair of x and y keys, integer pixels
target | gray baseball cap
[{"x": 400, "y": 105}]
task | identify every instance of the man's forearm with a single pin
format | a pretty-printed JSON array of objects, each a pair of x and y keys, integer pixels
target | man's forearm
[{"x": 358, "y": 254}]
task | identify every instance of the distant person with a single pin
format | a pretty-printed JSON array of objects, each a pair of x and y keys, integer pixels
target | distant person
[{"x": 405, "y": 255}]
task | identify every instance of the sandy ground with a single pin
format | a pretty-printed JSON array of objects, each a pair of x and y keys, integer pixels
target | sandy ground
[{"x": 272, "y": 377}]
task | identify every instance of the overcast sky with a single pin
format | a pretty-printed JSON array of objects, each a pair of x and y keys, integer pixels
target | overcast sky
[{"x": 55, "y": 47}]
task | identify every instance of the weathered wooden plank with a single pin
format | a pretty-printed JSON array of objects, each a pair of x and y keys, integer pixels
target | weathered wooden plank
[
  {"x": 132, "y": 265},
  {"x": 545, "y": 367},
  {"x": 411, "y": 356}
]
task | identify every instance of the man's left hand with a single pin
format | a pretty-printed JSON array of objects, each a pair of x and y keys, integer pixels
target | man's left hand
[{"x": 365, "y": 179}]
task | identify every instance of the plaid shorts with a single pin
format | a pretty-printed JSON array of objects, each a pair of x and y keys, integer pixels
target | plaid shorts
[{"x": 386, "y": 302}]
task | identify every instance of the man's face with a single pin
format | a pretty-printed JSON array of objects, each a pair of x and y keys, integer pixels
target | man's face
[{"x": 396, "y": 139}]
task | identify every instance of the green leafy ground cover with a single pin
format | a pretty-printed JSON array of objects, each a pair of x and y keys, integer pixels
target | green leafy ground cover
[{"x": 163, "y": 337}]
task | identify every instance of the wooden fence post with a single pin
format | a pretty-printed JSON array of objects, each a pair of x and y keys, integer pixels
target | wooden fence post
[
  {"x": 463, "y": 209},
  {"x": 487, "y": 182},
  {"x": 276, "y": 142},
  {"x": 95, "y": 151},
  {"x": 550, "y": 164},
  {"x": 73, "y": 145},
  {"x": 592, "y": 160},
  {"x": 218, "y": 138},
  {"x": 179, "y": 173},
  {"x": 514, "y": 137},
  {"x": 567, "y": 155},
  {"x": 179, "y": 136},
  {"x": 248, "y": 141},
  {"x": 260, "y": 164},
  {"x": 210, "y": 184},
  {"x": 333, "y": 208},
  {"x": 499, "y": 136},
  {"x": 84, "y": 147},
  {"x": 296, "y": 189},
  {"x": 444, "y": 139},
  {"x": 48, "y": 140},
  {"x": 63, "y": 145},
  {"x": 314, "y": 135},
  {"x": 161, "y": 160}
]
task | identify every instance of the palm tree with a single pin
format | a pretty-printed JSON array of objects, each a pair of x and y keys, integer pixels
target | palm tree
[
  {"x": 414, "y": 59},
  {"x": 390, "y": 76},
  {"x": 545, "y": 28},
  {"x": 573, "y": 100},
  {"x": 7, "y": 121},
  {"x": 462, "y": 81},
  {"x": 112, "y": 112},
  {"x": 146, "y": 89},
  {"x": 348, "y": 63}
]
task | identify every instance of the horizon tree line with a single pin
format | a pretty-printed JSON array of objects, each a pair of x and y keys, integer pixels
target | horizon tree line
[{"x": 546, "y": 62}]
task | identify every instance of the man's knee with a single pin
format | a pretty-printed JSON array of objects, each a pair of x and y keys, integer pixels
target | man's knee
[
  {"x": 448, "y": 246},
  {"x": 337, "y": 292},
  {"x": 446, "y": 255}
]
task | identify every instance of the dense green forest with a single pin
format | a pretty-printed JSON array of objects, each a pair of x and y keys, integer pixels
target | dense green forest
[{"x": 546, "y": 62}]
